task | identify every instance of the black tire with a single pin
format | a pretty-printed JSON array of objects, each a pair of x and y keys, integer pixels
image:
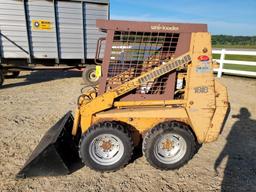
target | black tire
[
  {"x": 14, "y": 74},
  {"x": 1, "y": 77},
  {"x": 89, "y": 75},
  {"x": 152, "y": 137},
  {"x": 95, "y": 131}
]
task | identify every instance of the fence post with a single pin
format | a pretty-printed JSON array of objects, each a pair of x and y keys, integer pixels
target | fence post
[{"x": 222, "y": 58}]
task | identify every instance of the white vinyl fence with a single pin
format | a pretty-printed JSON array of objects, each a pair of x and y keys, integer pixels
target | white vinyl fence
[{"x": 222, "y": 61}]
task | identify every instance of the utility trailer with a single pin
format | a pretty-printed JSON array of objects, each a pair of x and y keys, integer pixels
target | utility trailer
[{"x": 50, "y": 32}]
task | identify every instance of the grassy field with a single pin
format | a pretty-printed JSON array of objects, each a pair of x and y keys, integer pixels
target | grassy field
[{"x": 239, "y": 58}]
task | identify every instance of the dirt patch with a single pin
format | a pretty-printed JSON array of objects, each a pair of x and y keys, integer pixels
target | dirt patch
[{"x": 34, "y": 102}]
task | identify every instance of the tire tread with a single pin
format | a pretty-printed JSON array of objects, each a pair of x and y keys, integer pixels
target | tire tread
[
  {"x": 159, "y": 128},
  {"x": 107, "y": 125}
]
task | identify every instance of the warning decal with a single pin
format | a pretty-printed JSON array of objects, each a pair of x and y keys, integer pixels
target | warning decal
[
  {"x": 98, "y": 71},
  {"x": 43, "y": 25}
]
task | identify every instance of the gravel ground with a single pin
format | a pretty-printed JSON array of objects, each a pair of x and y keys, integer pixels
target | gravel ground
[{"x": 32, "y": 103}]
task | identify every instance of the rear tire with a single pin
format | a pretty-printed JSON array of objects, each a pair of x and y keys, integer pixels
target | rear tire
[
  {"x": 106, "y": 146},
  {"x": 14, "y": 74},
  {"x": 169, "y": 145},
  {"x": 89, "y": 75},
  {"x": 1, "y": 77}
]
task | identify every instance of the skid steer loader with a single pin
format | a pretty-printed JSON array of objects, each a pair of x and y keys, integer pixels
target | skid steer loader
[{"x": 157, "y": 86}]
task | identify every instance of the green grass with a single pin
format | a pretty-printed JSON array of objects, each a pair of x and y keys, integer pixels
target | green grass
[
  {"x": 240, "y": 67},
  {"x": 239, "y": 58}
]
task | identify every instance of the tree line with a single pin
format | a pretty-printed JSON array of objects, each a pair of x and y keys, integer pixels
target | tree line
[{"x": 234, "y": 41}]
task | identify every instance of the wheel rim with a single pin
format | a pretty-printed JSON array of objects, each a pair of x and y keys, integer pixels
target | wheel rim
[
  {"x": 93, "y": 77},
  {"x": 170, "y": 148},
  {"x": 106, "y": 149}
]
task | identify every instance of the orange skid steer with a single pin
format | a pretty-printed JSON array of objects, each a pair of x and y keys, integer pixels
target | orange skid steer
[{"x": 156, "y": 88}]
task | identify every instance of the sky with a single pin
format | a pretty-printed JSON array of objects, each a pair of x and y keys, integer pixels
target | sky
[{"x": 227, "y": 17}]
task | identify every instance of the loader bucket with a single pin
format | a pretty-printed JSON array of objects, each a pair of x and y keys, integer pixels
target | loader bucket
[{"x": 56, "y": 154}]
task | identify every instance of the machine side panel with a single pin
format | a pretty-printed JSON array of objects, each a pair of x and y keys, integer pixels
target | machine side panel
[
  {"x": 134, "y": 116},
  {"x": 200, "y": 90}
]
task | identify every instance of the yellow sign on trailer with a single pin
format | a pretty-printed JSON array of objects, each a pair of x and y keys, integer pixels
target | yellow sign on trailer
[{"x": 42, "y": 25}]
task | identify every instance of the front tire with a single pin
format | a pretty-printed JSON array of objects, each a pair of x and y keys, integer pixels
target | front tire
[
  {"x": 106, "y": 146},
  {"x": 169, "y": 145}
]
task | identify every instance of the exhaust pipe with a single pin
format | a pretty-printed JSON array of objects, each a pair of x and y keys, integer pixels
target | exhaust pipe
[{"x": 57, "y": 152}]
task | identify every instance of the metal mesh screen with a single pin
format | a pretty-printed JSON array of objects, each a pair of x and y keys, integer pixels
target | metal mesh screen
[{"x": 135, "y": 53}]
